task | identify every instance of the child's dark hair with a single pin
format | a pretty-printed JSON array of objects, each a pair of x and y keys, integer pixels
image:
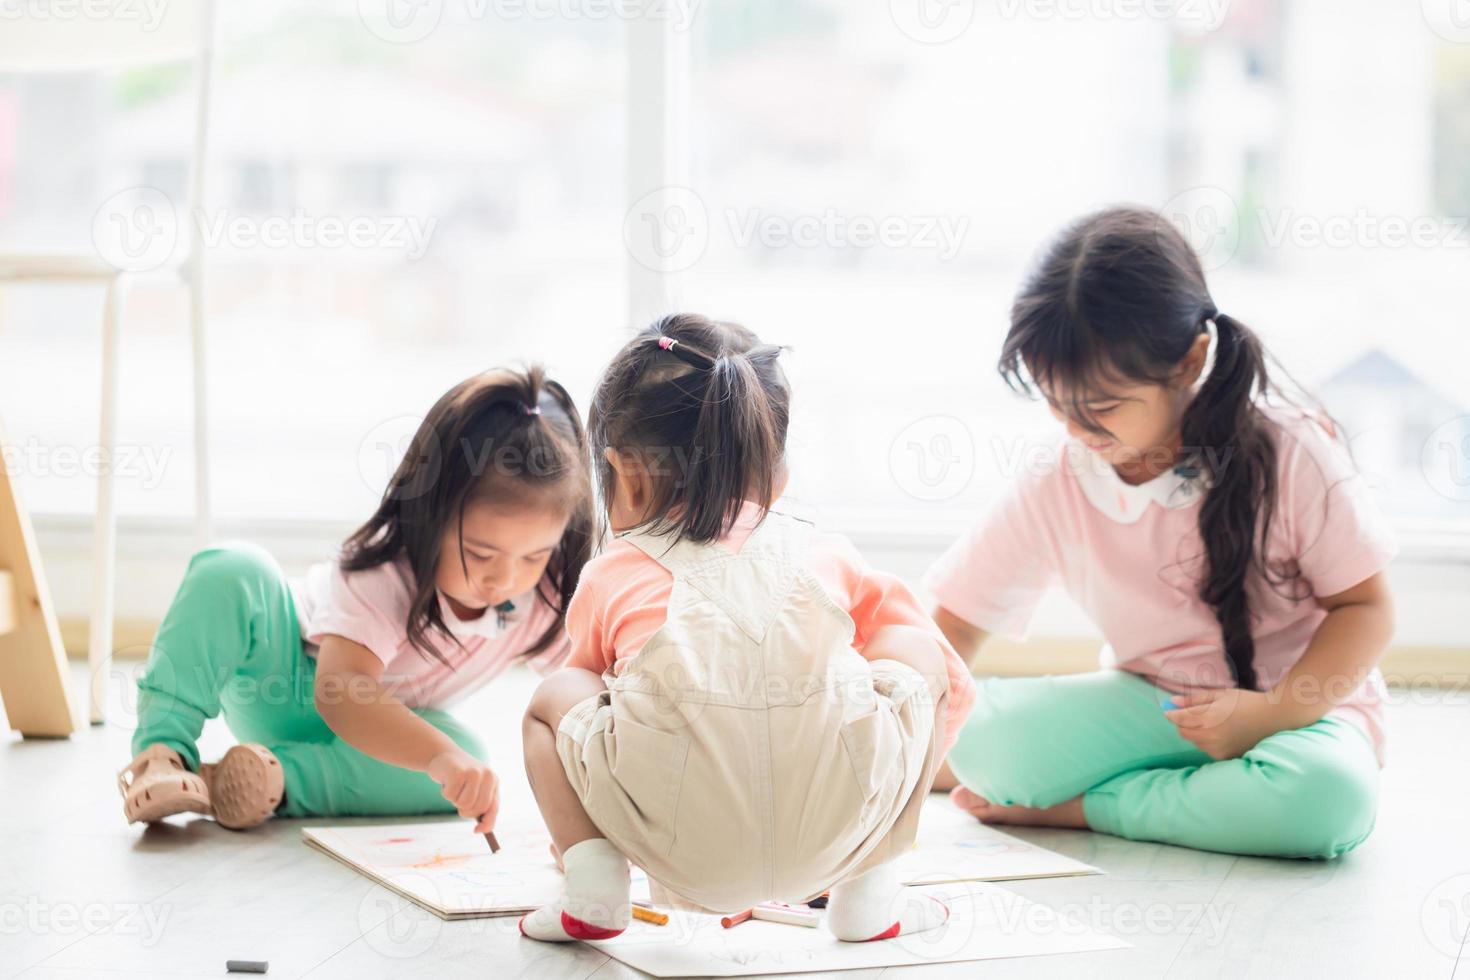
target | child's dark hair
[
  {"x": 504, "y": 436},
  {"x": 705, "y": 405},
  {"x": 1120, "y": 296}
]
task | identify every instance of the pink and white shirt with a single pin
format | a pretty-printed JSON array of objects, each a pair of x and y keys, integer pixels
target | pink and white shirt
[
  {"x": 1132, "y": 557},
  {"x": 371, "y": 608}
]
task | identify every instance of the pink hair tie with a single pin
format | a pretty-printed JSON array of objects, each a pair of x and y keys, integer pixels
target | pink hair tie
[
  {"x": 667, "y": 343},
  {"x": 533, "y": 409}
]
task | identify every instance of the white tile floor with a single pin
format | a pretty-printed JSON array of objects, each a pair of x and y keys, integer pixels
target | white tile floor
[{"x": 83, "y": 895}]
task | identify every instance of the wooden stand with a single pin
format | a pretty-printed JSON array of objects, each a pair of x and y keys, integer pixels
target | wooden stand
[{"x": 33, "y": 672}]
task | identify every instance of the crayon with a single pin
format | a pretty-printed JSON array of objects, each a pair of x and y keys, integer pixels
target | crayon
[
  {"x": 494, "y": 844},
  {"x": 768, "y": 912},
  {"x": 730, "y": 921},
  {"x": 246, "y": 966},
  {"x": 820, "y": 902},
  {"x": 1169, "y": 704},
  {"x": 644, "y": 913}
]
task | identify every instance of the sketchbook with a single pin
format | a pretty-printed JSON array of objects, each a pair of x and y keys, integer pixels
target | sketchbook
[{"x": 448, "y": 869}]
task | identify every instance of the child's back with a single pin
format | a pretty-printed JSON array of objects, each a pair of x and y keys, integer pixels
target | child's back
[{"x": 755, "y": 761}]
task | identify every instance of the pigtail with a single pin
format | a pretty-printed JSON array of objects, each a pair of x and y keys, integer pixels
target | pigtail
[
  {"x": 1239, "y": 470},
  {"x": 706, "y": 406}
]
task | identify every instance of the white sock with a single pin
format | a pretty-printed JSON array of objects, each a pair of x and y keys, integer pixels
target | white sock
[
  {"x": 594, "y": 899},
  {"x": 876, "y": 905}
]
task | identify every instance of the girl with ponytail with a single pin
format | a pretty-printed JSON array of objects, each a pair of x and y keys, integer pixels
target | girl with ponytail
[
  {"x": 1216, "y": 533},
  {"x": 749, "y": 713},
  {"x": 336, "y": 685}
]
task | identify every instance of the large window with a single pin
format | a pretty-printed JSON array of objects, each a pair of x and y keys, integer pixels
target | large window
[{"x": 863, "y": 181}]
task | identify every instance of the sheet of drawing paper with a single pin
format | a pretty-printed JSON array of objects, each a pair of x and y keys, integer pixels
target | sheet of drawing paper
[
  {"x": 447, "y": 868},
  {"x": 986, "y": 922},
  {"x": 954, "y": 846}
]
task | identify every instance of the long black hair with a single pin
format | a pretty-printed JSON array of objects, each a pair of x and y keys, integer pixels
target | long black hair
[
  {"x": 500, "y": 436},
  {"x": 1120, "y": 295},
  {"x": 705, "y": 406}
]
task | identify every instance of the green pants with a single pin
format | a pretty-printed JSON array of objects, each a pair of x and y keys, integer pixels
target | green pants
[
  {"x": 1039, "y": 741},
  {"x": 231, "y": 644}
]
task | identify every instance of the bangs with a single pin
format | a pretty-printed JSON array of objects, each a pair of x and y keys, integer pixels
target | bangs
[{"x": 1044, "y": 355}]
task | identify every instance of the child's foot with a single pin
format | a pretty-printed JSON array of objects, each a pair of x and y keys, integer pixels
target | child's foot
[
  {"x": 157, "y": 784},
  {"x": 1068, "y": 814},
  {"x": 876, "y": 906},
  {"x": 245, "y": 786},
  {"x": 594, "y": 901}
]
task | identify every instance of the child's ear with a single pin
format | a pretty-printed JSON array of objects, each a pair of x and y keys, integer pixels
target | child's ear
[
  {"x": 1193, "y": 365},
  {"x": 630, "y": 478}
]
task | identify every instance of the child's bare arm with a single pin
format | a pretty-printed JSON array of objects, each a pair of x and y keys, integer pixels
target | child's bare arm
[
  {"x": 354, "y": 704},
  {"x": 964, "y": 637}
]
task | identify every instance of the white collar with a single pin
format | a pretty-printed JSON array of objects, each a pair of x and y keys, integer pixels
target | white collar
[
  {"x": 489, "y": 623},
  {"x": 1125, "y": 502}
]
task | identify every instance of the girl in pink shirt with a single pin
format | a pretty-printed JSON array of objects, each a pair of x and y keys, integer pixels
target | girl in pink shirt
[
  {"x": 337, "y": 685},
  {"x": 1220, "y": 539},
  {"x": 749, "y": 712}
]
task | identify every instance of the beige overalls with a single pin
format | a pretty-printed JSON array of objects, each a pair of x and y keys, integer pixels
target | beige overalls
[{"x": 748, "y": 752}]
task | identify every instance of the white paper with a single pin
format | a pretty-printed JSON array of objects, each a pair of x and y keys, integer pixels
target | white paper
[
  {"x": 448, "y": 869},
  {"x": 954, "y": 846},
  {"x": 986, "y": 922}
]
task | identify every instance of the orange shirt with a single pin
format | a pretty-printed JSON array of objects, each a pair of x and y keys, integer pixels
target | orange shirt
[{"x": 623, "y": 598}]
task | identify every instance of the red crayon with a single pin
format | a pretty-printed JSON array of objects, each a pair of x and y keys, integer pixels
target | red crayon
[{"x": 735, "y": 920}]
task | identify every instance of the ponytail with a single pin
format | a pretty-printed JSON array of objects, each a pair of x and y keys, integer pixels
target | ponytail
[
  {"x": 1237, "y": 458},
  {"x": 714, "y": 437}
]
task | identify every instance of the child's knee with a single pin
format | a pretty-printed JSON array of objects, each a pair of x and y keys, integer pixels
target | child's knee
[
  {"x": 992, "y": 758},
  {"x": 233, "y": 562},
  {"x": 1330, "y": 809}
]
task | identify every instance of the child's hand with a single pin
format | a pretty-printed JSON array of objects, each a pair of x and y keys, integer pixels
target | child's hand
[
  {"x": 1224, "y": 723},
  {"x": 470, "y": 785}
]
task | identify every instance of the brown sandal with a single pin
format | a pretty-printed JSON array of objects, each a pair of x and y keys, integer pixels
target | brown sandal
[
  {"x": 245, "y": 786},
  {"x": 156, "y": 785}
]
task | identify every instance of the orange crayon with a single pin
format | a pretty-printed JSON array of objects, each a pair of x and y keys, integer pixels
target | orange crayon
[{"x": 644, "y": 913}]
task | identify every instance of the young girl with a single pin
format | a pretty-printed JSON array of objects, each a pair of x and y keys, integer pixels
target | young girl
[
  {"x": 1221, "y": 541},
  {"x": 749, "y": 712},
  {"x": 336, "y": 687}
]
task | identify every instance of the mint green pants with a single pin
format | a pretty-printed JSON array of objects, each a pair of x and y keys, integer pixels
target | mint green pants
[
  {"x": 1039, "y": 741},
  {"x": 230, "y": 644}
]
